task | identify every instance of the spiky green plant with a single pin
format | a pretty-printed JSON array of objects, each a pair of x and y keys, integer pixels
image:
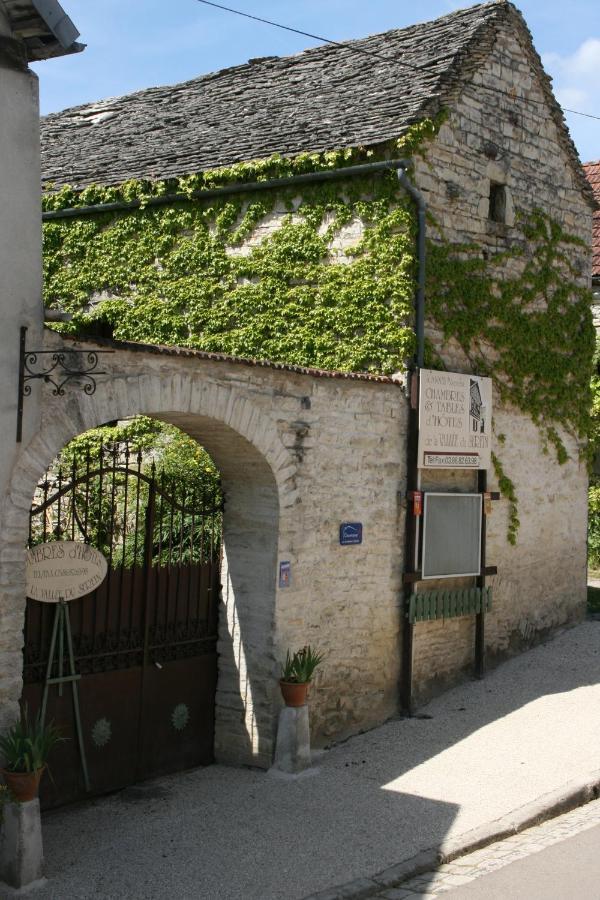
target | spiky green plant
[
  {"x": 27, "y": 743},
  {"x": 299, "y": 667}
]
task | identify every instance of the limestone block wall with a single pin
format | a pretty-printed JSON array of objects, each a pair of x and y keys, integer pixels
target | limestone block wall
[
  {"x": 299, "y": 454},
  {"x": 492, "y": 137}
]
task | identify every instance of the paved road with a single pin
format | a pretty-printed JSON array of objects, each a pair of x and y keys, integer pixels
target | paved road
[
  {"x": 570, "y": 869},
  {"x": 556, "y": 860}
]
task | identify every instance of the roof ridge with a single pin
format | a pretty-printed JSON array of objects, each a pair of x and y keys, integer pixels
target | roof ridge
[
  {"x": 323, "y": 98},
  {"x": 325, "y": 47}
]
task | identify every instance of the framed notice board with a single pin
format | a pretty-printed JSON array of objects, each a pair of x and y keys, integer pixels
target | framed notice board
[{"x": 451, "y": 544}]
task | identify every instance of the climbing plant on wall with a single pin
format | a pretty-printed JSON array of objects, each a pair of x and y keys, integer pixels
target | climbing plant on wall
[
  {"x": 198, "y": 273},
  {"x": 332, "y": 285},
  {"x": 532, "y": 330},
  {"x": 594, "y": 451}
]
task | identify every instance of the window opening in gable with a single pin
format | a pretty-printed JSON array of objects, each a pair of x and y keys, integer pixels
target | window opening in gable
[{"x": 497, "y": 211}]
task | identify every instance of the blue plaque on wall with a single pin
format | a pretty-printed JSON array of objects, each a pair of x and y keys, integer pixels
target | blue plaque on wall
[
  {"x": 285, "y": 574},
  {"x": 350, "y": 533}
]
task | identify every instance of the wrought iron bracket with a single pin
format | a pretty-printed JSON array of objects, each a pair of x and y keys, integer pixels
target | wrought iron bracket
[{"x": 56, "y": 368}]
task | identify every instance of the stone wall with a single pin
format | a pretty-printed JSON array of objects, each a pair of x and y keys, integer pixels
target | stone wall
[
  {"x": 299, "y": 454},
  {"x": 541, "y": 583}
]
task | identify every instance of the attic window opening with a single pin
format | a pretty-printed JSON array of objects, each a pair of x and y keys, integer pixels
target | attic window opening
[{"x": 497, "y": 209}]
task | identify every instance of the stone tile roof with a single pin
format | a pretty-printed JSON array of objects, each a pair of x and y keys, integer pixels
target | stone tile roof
[
  {"x": 321, "y": 99},
  {"x": 592, "y": 173}
]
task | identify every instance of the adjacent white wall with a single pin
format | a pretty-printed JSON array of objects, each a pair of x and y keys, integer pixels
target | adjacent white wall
[
  {"x": 20, "y": 293},
  {"x": 20, "y": 243}
]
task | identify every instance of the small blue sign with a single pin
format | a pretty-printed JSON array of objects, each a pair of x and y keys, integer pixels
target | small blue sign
[
  {"x": 350, "y": 533},
  {"x": 285, "y": 574}
]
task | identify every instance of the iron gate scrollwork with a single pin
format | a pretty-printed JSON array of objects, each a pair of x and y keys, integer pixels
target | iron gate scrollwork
[{"x": 145, "y": 641}]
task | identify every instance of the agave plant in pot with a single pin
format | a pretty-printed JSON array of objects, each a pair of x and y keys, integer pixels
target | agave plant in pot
[
  {"x": 296, "y": 675},
  {"x": 25, "y": 748}
]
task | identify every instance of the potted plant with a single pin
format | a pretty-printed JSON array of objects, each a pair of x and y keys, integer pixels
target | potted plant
[
  {"x": 296, "y": 675},
  {"x": 25, "y": 748}
]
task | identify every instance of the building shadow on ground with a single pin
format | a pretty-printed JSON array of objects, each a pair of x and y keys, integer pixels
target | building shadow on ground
[{"x": 482, "y": 750}]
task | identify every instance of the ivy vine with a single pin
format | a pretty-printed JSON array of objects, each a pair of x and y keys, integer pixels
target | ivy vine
[
  {"x": 168, "y": 275},
  {"x": 532, "y": 331},
  {"x": 213, "y": 274}
]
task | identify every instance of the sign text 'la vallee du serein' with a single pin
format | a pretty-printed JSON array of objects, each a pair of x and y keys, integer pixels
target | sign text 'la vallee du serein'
[
  {"x": 63, "y": 570},
  {"x": 455, "y": 421}
]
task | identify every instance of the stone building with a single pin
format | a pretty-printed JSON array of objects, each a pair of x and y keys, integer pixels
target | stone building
[{"x": 303, "y": 450}]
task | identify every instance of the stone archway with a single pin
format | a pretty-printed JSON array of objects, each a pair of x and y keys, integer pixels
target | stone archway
[
  {"x": 300, "y": 451},
  {"x": 256, "y": 472}
]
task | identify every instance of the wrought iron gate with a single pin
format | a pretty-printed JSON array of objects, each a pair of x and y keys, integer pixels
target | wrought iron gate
[{"x": 145, "y": 640}]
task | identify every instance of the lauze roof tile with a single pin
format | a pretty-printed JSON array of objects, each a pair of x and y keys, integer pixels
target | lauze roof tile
[
  {"x": 592, "y": 171},
  {"x": 321, "y": 99},
  {"x": 361, "y": 93}
]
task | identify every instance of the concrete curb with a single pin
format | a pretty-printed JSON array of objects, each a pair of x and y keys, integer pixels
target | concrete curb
[{"x": 574, "y": 793}]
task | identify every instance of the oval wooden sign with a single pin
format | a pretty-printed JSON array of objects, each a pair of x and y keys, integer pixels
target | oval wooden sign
[{"x": 63, "y": 570}]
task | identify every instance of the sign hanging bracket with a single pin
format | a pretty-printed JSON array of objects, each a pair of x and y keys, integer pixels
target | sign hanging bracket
[{"x": 57, "y": 368}]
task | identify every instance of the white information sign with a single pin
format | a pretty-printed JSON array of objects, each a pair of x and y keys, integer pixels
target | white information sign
[
  {"x": 455, "y": 421},
  {"x": 63, "y": 570}
]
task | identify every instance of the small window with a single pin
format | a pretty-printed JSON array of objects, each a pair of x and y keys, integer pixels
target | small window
[{"x": 497, "y": 211}]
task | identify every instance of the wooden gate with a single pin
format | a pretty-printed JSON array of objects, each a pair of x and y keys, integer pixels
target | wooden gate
[{"x": 145, "y": 640}]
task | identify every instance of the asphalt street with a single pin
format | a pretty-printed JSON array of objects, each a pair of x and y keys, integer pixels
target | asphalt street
[{"x": 569, "y": 869}]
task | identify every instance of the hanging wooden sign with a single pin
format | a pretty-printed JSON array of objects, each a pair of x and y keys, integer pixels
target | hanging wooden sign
[
  {"x": 455, "y": 421},
  {"x": 63, "y": 570}
]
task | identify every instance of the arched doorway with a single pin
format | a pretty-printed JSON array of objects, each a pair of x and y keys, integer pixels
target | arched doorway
[
  {"x": 143, "y": 643},
  {"x": 248, "y": 452}
]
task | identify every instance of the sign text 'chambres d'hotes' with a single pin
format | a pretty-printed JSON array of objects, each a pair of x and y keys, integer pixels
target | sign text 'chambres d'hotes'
[
  {"x": 455, "y": 421},
  {"x": 63, "y": 570}
]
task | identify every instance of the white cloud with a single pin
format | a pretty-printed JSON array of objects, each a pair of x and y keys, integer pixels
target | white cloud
[
  {"x": 577, "y": 76},
  {"x": 576, "y": 80},
  {"x": 573, "y": 98}
]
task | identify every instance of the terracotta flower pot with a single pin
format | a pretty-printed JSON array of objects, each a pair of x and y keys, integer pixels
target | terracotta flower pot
[
  {"x": 294, "y": 694},
  {"x": 23, "y": 786}
]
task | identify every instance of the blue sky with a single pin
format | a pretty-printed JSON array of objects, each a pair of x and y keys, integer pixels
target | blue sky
[{"x": 134, "y": 44}]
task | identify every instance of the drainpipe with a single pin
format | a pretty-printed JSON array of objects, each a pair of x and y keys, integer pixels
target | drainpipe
[
  {"x": 413, "y": 478},
  {"x": 420, "y": 298}
]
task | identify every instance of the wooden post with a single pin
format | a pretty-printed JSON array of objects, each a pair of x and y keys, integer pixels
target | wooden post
[
  {"x": 410, "y": 544},
  {"x": 148, "y": 556},
  {"x": 480, "y": 618}
]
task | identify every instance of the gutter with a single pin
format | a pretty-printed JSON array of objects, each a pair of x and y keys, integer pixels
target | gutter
[{"x": 250, "y": 187}]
